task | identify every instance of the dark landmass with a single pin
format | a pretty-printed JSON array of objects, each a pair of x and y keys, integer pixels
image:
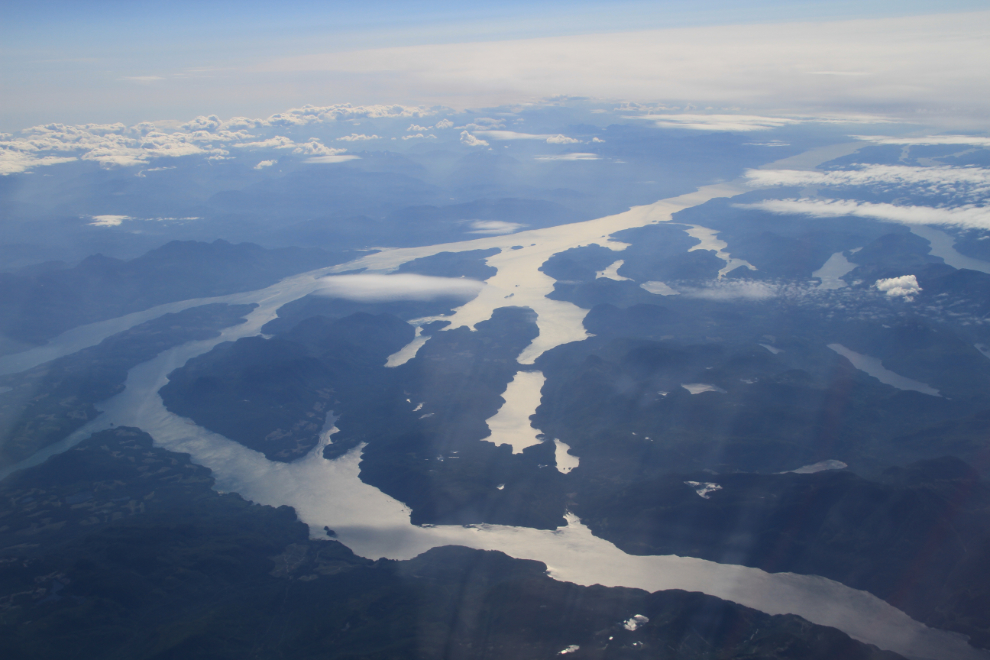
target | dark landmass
[
  {"x": 47, "y": 403},
  {"x": 919, "y": 537},
  {"x": 273, "y": 395},
  {"x": 580, "y": 264},
  {"x": 293, "y": 313},
  {"x": 116, "y": 549},
  {"x": 36, "y": 307},
  {"x": 470, "y": 264}
]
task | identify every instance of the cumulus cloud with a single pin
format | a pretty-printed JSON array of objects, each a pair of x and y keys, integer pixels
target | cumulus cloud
[
  {"x": 358, "y": 137},
  {"x": 635, "y": 622},
  {"x": 574, "y": 156},
  {"x": 594, "y": 139},
  {"x": 265, "y": 163},
  {"x": 905, "y": 286},
  {"x": 494, "y": 227},
  {"x": 973, "y": 182},
  {"x": 969, "y": 217},
  {"x": 374, "y": 287},
  {"x": 419, "y": 136},
  {"x": 472, "y": 141},
  {"x": 315, "y": 148},
  {"x": 208, "y": 136},
  {"x": 417, "y": 127},
  {"x": 443, "y": 123},
  {"x": 962, "y": 140},
  {"x": 561, "y": 139},
  {"x": 202, "y": 123},
  {"x": 310, "y": 114}
]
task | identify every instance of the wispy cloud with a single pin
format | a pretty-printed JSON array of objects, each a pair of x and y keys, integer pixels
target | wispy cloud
[
  {"x": 962, "y": 140},
  {"x": 109, "y": 220},
  {"x": 494, "y": 227},
  {"x": 574, "y": 156},
  {"x": 358, "y": 137},
  {"x": 971, "y": 182},
  {"x": 970, "y": 217},
  {"x": 727, "y": 290},
  {"x": 373, "y": 287},
  {"x": 265, "y": 163},
  {"x": 700, "y": 122},
  {"x": 326, "y": 160},
  {"x": 513, "y": 135}
]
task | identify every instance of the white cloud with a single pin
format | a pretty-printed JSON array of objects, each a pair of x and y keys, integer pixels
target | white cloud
[
  {"x": 510, "y": 135},
  {"x": 963, "y": 140},
  {"x": 727, "y": 290},
  {"x": 472, "y": 141},
  {"x": 704, "y": 489},
  {"x": 635, "y": 622},
  {"x": 109, "y": 220},
  {"x": 357, "y": 137},
  {"x": 771, "y": 143},
  {"x": 443, "y": 123},
  {"x": 419, "y": 136},
  {"x": 905, "y": 286},
  {"x": 970, "y": 217},
  {"x": 14, "y": 162},
  {"x": 310, "y": 114},
  {"x": 973, "y": 182},
  {"x": 659, "y": 288},
  {"x": 265, "y": 163},
  {"x": 315, "y": 148},
  {"x": 494, "y": 227},
  {"x": 514, "y": 135},
  {"x": 324, "y": 160},
  {"x": 594, "y": 139},
  {"x": 373, "y": 287},
  {"x": 202, "y": 123},
  {"x": 275, "y": 142},
  {"x": 574, "y": 156},
  {"x": 417, "y": 127},
  {"x": 701, "y": 122}
]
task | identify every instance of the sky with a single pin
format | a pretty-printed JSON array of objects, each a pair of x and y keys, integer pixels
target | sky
[{"x": 78, "y": 62}]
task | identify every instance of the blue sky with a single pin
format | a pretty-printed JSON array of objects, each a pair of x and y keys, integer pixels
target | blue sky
[{"x": 106, "y": 61}]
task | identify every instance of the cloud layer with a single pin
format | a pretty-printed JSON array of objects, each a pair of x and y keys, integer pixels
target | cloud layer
[
  {"x": 124, "y": 146},
  {"x": 972, "y": 183},
  {"x": 969, "y": 217},
  {"x": 885, "y": 64}
]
